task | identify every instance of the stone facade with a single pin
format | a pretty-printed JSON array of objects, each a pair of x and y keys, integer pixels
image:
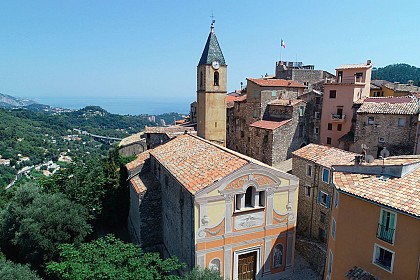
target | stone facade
[{"x": 313, "y": 112}]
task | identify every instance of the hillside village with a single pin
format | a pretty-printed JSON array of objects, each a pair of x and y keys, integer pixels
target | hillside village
[{"x": 325, "y": 166}]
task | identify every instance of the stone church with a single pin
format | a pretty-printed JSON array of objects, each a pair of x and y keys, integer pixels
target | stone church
[{"x": 210, "y": 206}]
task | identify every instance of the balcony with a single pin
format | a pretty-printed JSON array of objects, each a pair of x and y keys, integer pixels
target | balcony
[
  {"x": 386, "y": 234},
  {"x": 338, "y": 117}
]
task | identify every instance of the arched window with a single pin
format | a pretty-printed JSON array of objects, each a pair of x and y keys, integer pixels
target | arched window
[
  {"x": 201, "y": 79},
  {"x": 249, "y": 197},
  {"x": 278, "y": 256},
  {"x": 214, "y": 264},
  {"x": 216, "y": 78}
]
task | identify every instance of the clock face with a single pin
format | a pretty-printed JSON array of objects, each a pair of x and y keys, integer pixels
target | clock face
[{"x": 215, "y": 64}]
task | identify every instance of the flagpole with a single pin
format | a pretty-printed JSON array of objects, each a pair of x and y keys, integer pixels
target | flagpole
[{"x": 281, "y": 47}]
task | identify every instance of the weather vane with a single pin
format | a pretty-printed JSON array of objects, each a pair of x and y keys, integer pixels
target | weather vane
[{"x": 212, "y": 18}]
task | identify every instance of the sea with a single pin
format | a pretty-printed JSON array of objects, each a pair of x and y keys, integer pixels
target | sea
[{"x": 121, "y": 105}]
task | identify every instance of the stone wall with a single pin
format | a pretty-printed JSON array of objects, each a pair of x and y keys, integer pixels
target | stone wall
[
  {"x": 385, "y": 132},
  {"x": 313, "y": 104},
  {"x": 156, "y": 139},
  {"x": 314, "y": 253},
  {"x": 312, "y": 216},
  {"x": 133, "y": 148},
  {"x": 177, "y": 216}
]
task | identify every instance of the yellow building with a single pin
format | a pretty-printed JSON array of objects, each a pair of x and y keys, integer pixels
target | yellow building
[
  {"x": 382, "y": 88},
  {"x": 375, "y": 223}
]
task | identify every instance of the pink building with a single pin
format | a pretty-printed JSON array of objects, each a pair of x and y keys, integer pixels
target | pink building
[{"x": 352, "y": 83}]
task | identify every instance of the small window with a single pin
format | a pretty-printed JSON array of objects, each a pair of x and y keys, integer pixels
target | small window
[
  {"x": 215, "y": 124},
  {"x": 242, "y": 134},
  {"x": 330, "y": 263},
  {"x": 301, "y": 127},
  {"x": 333, "y": 93},
  {"x": 339, "y": 127},
  {"x": 254, "y": 114},
  {"x": 273, "y": 93},
  {"x": 309, "y": 170},
  {"x": 329, "y": 126},
  {"x": 249, "y": 195},
  {"x": 322, "y": 218},
  {"x": 216, "y": 78},
  {"x": 324, "y": 199},
  {"x": 317, "y": 115},
  {"x": 308, "y": 191},
  {"x": 317, "y": 100},
  {"x": 381, "y": 139},
  {"x": 329, "y": 140},
  {"x": 201, "y": 79},
  {"x": 336, "y": 199},
  {"x": 401, "y": 122},
  {"x": 316, "y": 130},
  {"x": 326, "y": 175},
  {"x": 383, "y": 258},
  {"x": 333, "y": 225},
  {"x": 387, "y": 226},
  {"x": 359, "y": 77},
  {"x": 371, "y": 120},
  {"x": 301, "y": 111}
]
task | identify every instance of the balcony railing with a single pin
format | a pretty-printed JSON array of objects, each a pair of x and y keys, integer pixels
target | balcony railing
[
  {"x": 338, "y": 117},
  {"x": 386, "y": 234}
]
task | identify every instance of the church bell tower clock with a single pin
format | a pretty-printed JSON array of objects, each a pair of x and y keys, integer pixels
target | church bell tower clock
[{"x": 211, "y": 92}]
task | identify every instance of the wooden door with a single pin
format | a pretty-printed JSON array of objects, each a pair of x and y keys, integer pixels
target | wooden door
[{"x": 247, "y": 266}]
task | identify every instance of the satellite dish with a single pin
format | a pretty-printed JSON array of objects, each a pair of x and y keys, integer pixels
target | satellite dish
[
  {"x": 369, "y": 158},
  {"x": 384, "y": 153},
  {"x": 364, "y": 147}
]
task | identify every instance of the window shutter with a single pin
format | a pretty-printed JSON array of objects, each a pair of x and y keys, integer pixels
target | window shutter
[
  {"x": 328, "y": 201},
  {"x": 319, "y": 197},
  {"x": 392, "y": 221},
  {"x": 336, "y": 199}
]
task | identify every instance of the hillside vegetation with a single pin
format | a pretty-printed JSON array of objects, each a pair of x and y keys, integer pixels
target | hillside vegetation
[{"x": 397, "y": 73}]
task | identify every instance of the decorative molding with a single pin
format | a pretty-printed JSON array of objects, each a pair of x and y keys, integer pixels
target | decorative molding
[
  {"x": 245, "y": 221},
  {"x": 229, "y": 197}
]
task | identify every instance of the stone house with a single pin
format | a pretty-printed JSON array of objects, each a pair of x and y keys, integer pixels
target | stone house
[
  {"x": 256, "y": 115},
  {"x": 312, "y": 165},
  {"x": 313, "y": 113},
  {"x": 213, "y": 207},
  {"x": 132, "y": 145},
  {"x": 389, "y": 122}
]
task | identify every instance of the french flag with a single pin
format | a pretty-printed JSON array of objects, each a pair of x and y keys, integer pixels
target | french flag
[{"x": 283, "y": 44}]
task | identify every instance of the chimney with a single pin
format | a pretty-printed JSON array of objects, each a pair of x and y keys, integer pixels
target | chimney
[
  {"x": 410, "y": 82},
  {"x": 369, "y": 62},
  {"x": 358, "y": 159}
]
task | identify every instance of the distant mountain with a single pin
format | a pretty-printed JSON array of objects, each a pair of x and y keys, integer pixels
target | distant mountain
[
  {"x": 397, "y": 73},
  {"x": 7, "y": 101}
]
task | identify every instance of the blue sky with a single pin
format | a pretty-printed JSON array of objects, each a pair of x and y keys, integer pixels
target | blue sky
[{"x": 99, "y": 49}]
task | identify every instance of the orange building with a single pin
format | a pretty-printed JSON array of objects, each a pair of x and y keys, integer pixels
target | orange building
[
  {"x": 375, "y": 228},
  {"x": 352, "y": 84},
  {"x": 213, "y": 207}
]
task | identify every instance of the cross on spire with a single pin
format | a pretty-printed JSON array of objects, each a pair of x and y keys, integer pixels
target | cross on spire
[{"x": 212, "y": 21}]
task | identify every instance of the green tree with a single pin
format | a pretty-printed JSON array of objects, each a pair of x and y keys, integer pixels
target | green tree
[
  {"x": 202, "y": 274},
  {"x": 12, "y": 271},
  {"x": 35, "y": 223},
  {"x": 110, "y": 258}
]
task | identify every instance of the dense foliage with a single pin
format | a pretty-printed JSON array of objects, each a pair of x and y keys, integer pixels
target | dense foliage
[
  {"x": 34, "y": 223},
  {"x": 202, "y": 274},
  {"x": 397, "y": 73},
  {"x": 110, "y": 258},
  {"x": 13, "y": 271}
]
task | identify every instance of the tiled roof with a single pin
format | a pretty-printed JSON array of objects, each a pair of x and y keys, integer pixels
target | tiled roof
[
  {"x": 140, "y": 182},
  {"x": 324, "y": 155},
  {"x": 402, "y": 87},
  {"x": 399, "y": 193},
  {"x": 131, "y": 139},
  {"x": 271, "y": 125},
  {"x": 141, "y": 158},
  {"x": 276, "y": 83},
  {"x": 197, "y": 163},
  {"x": 378, "y": 83},
  {"x": 169, "y": 130},
  {"x": 286, "y": 102},
  {"x": 212, "y": 51},
  {"x": 389, "y": 105},
  {"x": 354, "y": 66},
  {"x": 241, "y": 98}
]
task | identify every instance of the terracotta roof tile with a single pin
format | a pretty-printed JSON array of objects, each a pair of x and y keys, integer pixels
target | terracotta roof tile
[
  {"x": 389, "y": 105},
  {"x": 286, "y": 102},
  {"x": 142, "y": 180},
  {"x": 354, "y": 66},
  {"x": 399, "y": 193},
  {"x": 141, "y": 158},
  {"x": 269, "y": 124},
  {"x": 324, "y": 155},
  {"x": 167, "y": 129},
  {"x": 276, "y": 83},
  {"x": 195, "y": 162}
]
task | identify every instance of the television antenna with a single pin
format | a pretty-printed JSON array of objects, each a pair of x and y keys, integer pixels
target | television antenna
[
  {"x": 384, "y": 153},
  {"x": 369, "y": 158}
]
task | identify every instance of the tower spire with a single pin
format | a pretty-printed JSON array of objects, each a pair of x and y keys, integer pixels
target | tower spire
[{"x": 212, "y": 22}]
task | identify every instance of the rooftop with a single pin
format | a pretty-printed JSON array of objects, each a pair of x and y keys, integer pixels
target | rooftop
[
  {"x": 140, "y": 182},
  {"x": 131, "y": 139},
  {"x": 389, "y": 105},
  {"x": 286, "y": 102},
  {"x": 171, "y": 131},
  {"x": 324, "y": 155},
  {"x": 401, "y": 193},
  {"x": 275, "y": 83},
  {"x": 401, "y": 87},
  {"x": 197, "y": 163},
  {"x": 141, "y": 158},
  {"x": 271, "y": 125},
  {"x": 354, "y": 66}
]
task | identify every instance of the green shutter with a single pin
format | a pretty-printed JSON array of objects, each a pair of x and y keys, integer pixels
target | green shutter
[{"x": 392, "y": 221}]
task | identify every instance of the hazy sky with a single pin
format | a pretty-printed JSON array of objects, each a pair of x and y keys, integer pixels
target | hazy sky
[{"x": 103, "y": 48}]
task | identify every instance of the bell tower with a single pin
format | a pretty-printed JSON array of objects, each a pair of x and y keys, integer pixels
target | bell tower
[{"x": 211, "y": 92}]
